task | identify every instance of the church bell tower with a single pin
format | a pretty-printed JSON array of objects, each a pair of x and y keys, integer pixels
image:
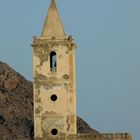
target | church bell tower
[{"x": 54, "y": 80}]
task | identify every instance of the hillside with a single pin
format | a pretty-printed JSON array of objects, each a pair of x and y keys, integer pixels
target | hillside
[{"x": 16, "y": 107}]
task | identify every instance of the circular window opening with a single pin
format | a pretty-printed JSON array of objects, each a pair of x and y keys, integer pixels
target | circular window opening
[
  {"x": 54, "y": 132},
  {"x": 53, "y": 97}
]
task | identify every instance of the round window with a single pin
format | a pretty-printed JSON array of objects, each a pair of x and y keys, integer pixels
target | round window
[
  {"x": 54, "y": 132},
  {"x": 53, "y": 97}
]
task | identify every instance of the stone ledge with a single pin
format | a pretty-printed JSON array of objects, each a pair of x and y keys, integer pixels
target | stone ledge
[{"x": 90, "y": 136}]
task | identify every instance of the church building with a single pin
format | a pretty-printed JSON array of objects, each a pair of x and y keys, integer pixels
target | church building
[{"x": 55, "y": 115}]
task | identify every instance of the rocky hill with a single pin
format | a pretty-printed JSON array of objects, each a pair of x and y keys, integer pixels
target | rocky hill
[{"x": 16, "y": 107}]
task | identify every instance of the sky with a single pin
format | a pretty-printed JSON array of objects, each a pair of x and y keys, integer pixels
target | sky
[{"x": 107, "y": 34}]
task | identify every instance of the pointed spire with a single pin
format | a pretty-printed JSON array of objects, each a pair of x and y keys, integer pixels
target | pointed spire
[{"x": 53, "y": 26}]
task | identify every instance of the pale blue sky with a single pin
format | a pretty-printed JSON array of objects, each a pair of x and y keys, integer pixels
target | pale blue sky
[{"x": 107, "y": 33}]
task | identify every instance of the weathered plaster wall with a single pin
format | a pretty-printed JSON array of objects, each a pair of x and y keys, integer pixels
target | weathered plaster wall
[
  {"x": 111, "y": 136},
  {"x": 48, "y": 114}
]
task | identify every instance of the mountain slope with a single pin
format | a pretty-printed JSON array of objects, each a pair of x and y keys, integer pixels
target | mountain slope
[{"x": 16, "y": 107}]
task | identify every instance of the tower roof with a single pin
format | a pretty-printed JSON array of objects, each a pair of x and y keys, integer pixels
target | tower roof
[{"x": 53, "y": 26}]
